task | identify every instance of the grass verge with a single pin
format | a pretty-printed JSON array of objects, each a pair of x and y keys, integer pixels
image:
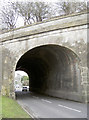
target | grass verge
[
  {"x": 0, "y": 107},
  {"x": 11, "y": 109}
]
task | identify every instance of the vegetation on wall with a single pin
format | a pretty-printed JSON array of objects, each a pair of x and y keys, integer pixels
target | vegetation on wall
[{"x": 25, "y": 80}]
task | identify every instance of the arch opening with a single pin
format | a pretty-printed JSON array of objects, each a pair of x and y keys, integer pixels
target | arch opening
[
  {"x": 52, "y": 69},
  {"x": 21, "y": 81}
]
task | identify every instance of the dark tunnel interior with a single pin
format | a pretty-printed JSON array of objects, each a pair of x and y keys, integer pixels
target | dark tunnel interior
[{"x": 51, "y": 67}]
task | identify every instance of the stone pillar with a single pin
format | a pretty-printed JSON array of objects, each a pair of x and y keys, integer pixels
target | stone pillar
[
  {"x": 88, "y": 85},
  {"x": 84, "y": 83},
  {"x": 8, "y": 72},
  {"x": 0, "y": 82}
]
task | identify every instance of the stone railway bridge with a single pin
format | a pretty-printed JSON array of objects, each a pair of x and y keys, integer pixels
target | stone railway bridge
[{"x": 53, "y": 53}]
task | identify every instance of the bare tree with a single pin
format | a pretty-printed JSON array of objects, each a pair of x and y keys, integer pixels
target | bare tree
[
  {"x": 8, "y": 17},
  {"x": 37, "y": 11},
  {"x": 23, "y": 9},
  {"x": 41, "y": 11},
  {"x": 32, "y": 11},
  {"x": 71, "y": 7}
]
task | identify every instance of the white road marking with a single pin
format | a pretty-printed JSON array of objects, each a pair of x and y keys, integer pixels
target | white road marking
[
  {"x": 35, "y": 97},
  {"x": 68, "y": 108},
  {"x": 27, "y": 112},
  {"x": 31, "y": 115},
  {"x": 46, "y": 100}
]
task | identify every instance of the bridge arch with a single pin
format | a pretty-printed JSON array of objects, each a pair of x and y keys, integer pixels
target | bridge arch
[{"x": 53, "y": 70}]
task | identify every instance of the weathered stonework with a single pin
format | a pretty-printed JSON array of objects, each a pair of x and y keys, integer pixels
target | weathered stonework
[{"x": 65, "y": 39}]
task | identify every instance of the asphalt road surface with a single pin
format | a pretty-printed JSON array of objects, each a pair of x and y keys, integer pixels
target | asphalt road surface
[{"x": 40, "y": 106}]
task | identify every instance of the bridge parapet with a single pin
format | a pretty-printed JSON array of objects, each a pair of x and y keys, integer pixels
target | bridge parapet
[{"x": 59, "y": 23}]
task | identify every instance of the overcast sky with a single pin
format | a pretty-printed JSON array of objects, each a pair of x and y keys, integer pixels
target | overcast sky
[
  {"x": 5, "y": 1},
  {"x": 22, "y": 73}
]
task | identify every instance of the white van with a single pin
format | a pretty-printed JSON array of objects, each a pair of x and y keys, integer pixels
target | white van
[
  {"x": 18, "y": 88},
  {"x": 25, "y": 88}
]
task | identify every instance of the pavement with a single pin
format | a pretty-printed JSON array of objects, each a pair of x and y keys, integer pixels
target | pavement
[{"x": 41, "y": 106}]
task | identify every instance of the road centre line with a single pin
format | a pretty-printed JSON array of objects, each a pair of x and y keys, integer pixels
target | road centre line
[
  {"x": 35, "y": 97},
  {"x": 69, "y": 108},
  {"x": 46, "y": 101}
]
